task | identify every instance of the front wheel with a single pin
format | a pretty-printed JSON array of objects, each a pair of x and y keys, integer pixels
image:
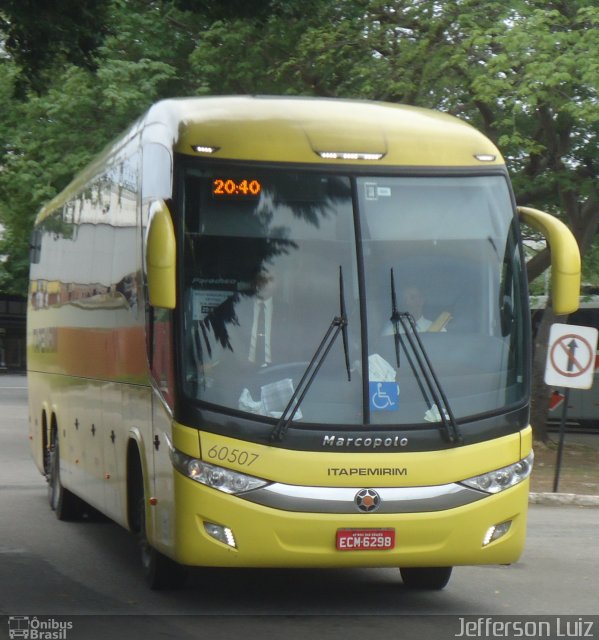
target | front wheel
[
  {"x": 160, "y": 572},
  {"x": 426, "y": 578}
]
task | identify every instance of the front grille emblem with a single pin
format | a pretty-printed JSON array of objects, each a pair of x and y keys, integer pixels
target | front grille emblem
[{"x": 367, "y": 500}]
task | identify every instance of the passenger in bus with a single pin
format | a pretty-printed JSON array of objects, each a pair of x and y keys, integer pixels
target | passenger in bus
[{"x": 412, "y": 301}]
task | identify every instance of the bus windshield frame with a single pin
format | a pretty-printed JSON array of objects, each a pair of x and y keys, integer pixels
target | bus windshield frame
[{"x": 253, "y": 236}]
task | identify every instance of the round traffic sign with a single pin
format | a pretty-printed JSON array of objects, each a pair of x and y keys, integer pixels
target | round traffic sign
[{"x": 571, "y": 355}]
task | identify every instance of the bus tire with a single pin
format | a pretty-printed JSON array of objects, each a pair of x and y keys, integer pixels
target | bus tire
[
  {"x": 159, "y": 571},
  {"x": 426, "y": 578},
  {"x": 66, "y": 505}
]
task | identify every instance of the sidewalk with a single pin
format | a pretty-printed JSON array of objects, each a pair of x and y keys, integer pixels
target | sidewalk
[
  {"x": 559, "y": 499},
  {"x": 586, "y": 440}
]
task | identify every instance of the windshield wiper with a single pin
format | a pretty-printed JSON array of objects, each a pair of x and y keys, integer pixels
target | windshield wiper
[
  {"x": 338, "y": 325},
  {"x": 395, "y": 319},
  {"x": 427, "y": 372}
]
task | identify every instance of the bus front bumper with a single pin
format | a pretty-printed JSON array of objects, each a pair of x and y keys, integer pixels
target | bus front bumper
[{"x": 217, "y": 529}]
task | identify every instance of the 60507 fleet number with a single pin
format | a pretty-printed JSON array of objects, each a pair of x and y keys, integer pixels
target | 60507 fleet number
[{"x": 234, "y": 456}]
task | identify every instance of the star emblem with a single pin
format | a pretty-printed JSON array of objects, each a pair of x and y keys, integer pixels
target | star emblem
[{"x": 367, "y": 500}]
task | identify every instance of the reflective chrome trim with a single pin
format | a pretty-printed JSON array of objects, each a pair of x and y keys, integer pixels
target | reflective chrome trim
[
  {"x": 342, "y": 500},
  {"x": 159, "y": 395}
]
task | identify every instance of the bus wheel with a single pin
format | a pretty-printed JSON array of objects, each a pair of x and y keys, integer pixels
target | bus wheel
[
  {"x": 160, "y": 572},
  {"x": 65, "y": 504},
  {"x": 426, "y": 578}
]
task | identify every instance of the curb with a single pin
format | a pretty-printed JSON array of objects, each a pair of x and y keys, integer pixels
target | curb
[{"x": 569, "y": 499}]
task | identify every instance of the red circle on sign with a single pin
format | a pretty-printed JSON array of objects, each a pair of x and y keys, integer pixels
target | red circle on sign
[{"x": 580, "y": 369}]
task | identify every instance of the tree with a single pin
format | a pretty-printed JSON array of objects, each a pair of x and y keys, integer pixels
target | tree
[
  {"x": 524, "y": 72},
  {"x": 536, "y": 92},
  {"x": 38, "y": 32},
  {"x": 48, "y": 135}
]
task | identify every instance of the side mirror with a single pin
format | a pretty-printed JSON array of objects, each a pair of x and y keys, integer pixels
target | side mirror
[
  {"x": 565, "y": 259},
  {"x": 161, "y": 257}
]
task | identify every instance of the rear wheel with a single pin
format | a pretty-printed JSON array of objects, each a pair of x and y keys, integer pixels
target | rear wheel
[
  {"x": 65, "y": 504},
  {"x": 159, "y": 571},
  {"x": 426, "y": 578}
]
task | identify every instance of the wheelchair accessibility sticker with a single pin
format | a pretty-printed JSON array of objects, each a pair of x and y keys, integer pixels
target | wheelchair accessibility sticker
[{"x": 384, "y": 396}]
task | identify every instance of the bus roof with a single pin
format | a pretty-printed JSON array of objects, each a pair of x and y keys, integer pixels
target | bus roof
[
  {"x": 300, "y": 130},
  {"x": 279, "y": 129}
]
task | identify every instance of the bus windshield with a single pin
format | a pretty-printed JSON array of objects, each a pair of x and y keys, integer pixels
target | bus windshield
[{"x": 262, "y": 251}]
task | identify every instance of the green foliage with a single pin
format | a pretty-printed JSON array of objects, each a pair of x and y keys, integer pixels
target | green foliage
[
  {"x": 38, "y": 32},
  {"x": 590, "y": 266},
  {"x": 50, "y": 135}
]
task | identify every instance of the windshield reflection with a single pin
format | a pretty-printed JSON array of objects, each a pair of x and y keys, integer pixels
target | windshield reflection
[
  {"x": 261, "y": 287},
  {"x": 440, "y": 238}
]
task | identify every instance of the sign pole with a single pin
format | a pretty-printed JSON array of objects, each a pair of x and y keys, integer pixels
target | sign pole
[
  {"x": 570, "y": 359},
  {"x": 562, "y": 435}
]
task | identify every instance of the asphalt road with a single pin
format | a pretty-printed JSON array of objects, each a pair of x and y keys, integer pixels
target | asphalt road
[{"x": 87, "y": 573}]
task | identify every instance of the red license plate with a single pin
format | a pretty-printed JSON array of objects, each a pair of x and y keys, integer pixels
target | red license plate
[{"x": 365, "y": 539}]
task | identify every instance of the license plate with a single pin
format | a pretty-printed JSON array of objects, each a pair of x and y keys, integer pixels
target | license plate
[{"x": 365, "y": 539}]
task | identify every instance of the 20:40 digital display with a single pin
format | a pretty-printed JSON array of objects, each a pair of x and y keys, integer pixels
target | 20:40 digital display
[{"x": 229, "y": 187}]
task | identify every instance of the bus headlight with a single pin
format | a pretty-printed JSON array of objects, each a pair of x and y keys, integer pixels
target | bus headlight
[
  {"x": 211, "y": 475},
  {"x": 504, "y": 478}
]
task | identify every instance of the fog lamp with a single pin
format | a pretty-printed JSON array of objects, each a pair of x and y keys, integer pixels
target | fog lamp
[
  {"x": 496, "y": 531},
  {"x": 220, "y": 533}
]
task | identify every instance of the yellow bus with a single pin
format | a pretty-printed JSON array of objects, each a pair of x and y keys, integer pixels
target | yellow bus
[{"x": 290, "y": 332}]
